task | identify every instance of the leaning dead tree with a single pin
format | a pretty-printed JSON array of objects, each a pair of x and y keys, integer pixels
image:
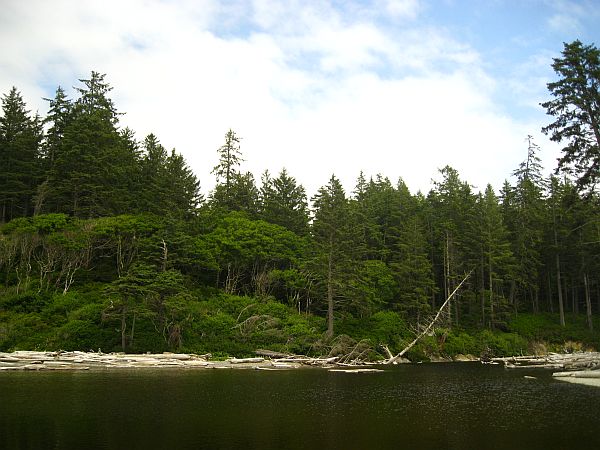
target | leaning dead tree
[{"x": 393, "y": 359}]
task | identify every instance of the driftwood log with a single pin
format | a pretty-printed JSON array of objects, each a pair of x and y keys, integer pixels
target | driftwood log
[
  {"x": 566, "y": 362},
  {"x": 33, "y": 360}
]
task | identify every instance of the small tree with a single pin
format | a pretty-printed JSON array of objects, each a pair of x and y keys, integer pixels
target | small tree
[{"x": 226, "y": 171}]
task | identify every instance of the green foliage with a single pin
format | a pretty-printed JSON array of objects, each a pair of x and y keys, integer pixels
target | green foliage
[
  {"x": 463, "y": 343},
  {"x": 545, "y": 327},
  {"x": 574, "y": 106},
  {"x": 105, "y": 242},
  {"x": 382, "y": 328},
  {"x": 502, "y": 344},
  {"x": 20, "y": 142}
]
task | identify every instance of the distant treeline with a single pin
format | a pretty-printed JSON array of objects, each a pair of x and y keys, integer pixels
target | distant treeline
[{"x": 85, "y": 206}]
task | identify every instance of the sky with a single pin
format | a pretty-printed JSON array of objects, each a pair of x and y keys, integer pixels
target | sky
[{"x": 400, "y": 88}]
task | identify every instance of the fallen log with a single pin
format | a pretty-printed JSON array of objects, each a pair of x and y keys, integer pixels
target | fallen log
[
  {"x": 245, "y": 360},
  {"x": 272, "y": 354},
  {"x": 393, "y": 360},
  {"x": 578, "y": 374},
  {"x": 568, "y": 361}
]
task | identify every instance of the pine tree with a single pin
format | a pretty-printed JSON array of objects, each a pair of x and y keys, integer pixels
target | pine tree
[
  {"x": 576, "y": 109},
  {"x": 497, "y": 258},
  {"x": 332, "y": 262},
  {"x": 184, "y": 194},
  {"x": 283, "y": 202},
  {"x": 523, "y": 206},
  {"x": 20, "y": 168},
  {"x": 453, "y": 232},
  {"x": 227, "y": 170},
  {"x": 92, "y": 171},
  {"x": 58, "y": 117}
]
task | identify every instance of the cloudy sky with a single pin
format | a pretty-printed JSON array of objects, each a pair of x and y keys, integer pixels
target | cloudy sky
[{"x": 398, "y": 87}]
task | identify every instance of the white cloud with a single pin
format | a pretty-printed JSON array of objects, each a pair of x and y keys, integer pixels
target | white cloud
[
  {"x": 305, "y": 86},
  {"x": 568, "y": 16},
  {"x": 403, "y": 9}
]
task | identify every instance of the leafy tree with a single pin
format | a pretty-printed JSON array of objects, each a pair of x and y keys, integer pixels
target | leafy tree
[
  {"x": 247, "y": 250},
  {"x": 576, "y": 109}
]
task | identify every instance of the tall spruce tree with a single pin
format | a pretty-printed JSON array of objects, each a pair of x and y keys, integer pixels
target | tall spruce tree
[
  {"x": 496, "y": 259},
  {"x": 184, "y": 194},
  {"x": 283, "y": 202},
  {"x": 91, "y": 173},
  {"x": 227, "y": 171},
  {"x": 453, "y": 232},
  {"x": 332, "y": 262},
  {"x": 20, "y": 164},
  {"x": 523, "y": 205},
  {"x": 576, "y": 109}
]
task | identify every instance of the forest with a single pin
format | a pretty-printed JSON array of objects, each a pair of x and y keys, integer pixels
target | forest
[{"x": 106, "y": 242}]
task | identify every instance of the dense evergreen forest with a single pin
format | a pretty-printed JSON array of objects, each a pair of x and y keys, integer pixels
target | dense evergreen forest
[{"x": 107, "y": 242}]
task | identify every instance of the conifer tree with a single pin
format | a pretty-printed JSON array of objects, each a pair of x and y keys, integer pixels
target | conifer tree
[
  {"x": 20, "y": 168},
  {"x": 453, "y": 232},
  {"x": 523, "y": 205},
  {"x": 576, "y": 109},
  {"x": 91, "y": 172},
  {"x": 283, "y": 202},
  {"x": 497, "y": 258},
  {"x": 227, "y": 170},
  {"x": 332, "y": 261}
]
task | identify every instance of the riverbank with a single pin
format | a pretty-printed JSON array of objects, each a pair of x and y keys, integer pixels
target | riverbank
[
  {"x": 580, "y": 367},
  {"x": 266, "y": 360},
  {"x": 75, "y": 360},
  {"x": 32, "y": 360}
]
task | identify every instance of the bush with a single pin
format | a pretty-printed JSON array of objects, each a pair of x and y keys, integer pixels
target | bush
[
  {"x": 502, "y": 344},
  {"x": 461, "y": 343}
]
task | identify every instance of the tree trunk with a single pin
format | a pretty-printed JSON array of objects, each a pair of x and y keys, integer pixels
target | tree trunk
[
  {"x": 588, "y": 302},
  {"x": 561, "y": 308},
  {"x": 132, "y": 331},
  {"x": 491, "y": 286},
  {"x": 123, "y": 331},
  {"x": 482, "y": 282},
  {"x": 550, "y": 301},
  {"x": 330, "y": 290},
  {"x": 511, "y": 295}
]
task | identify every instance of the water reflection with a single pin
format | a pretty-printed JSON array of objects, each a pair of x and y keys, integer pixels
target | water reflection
[{"x": 453, "y": 406}]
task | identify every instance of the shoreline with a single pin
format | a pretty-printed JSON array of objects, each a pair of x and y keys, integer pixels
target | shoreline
[
  {"x": 583, "y": 368},
  {"x": 27, "y": 360}
]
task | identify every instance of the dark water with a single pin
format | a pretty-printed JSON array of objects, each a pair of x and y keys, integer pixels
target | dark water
[{"x": 433, "y": 406}]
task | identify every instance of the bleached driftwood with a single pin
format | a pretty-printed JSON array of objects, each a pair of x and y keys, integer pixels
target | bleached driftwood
[
  {"x": 356, "y": 370},
  {"x": 566, "y": 362}
]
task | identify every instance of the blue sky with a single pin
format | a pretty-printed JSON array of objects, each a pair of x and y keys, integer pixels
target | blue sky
[{"x": 398, "y": 87}]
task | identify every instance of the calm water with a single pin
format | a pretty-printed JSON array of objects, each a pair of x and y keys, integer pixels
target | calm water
[{"x": 427, "y": 406}]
